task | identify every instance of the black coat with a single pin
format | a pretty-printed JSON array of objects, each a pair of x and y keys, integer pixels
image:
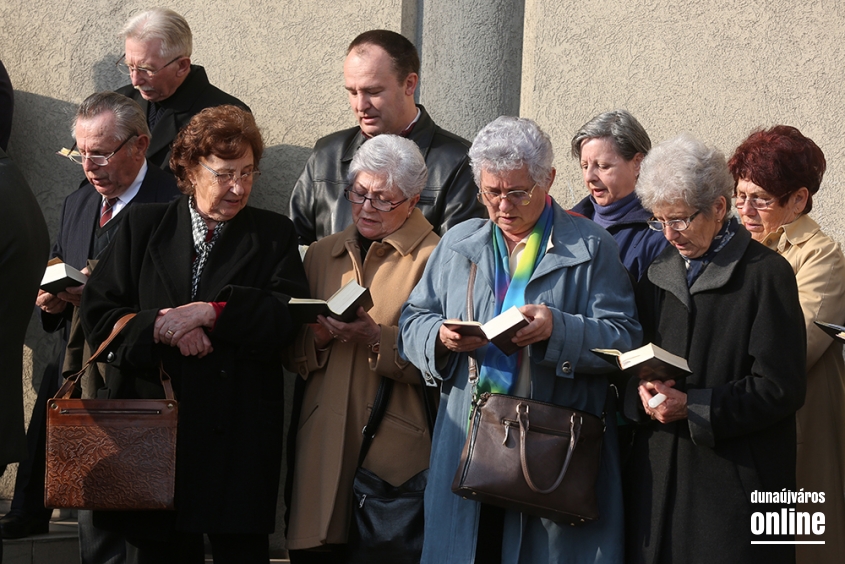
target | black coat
[
  {"x": 80, "y": 214},
  {"x": 231, "y": 404},
  {"x": 690, "y": 482},
  {"x": 195, "y": 94},
  {"x": 24, "y": 244}
]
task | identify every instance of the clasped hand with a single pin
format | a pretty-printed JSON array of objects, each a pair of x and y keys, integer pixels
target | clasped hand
[
  {"x": 57, "y": 303},
  {"x": 183, "y": 327}
]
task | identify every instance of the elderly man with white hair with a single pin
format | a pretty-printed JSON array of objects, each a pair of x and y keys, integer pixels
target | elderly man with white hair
[
  {"x": 157, "y": 58},
  {"x": 564, "y": 274}
]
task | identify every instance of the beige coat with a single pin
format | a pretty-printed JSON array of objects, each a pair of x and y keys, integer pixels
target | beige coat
[
  {"x": 819, "y": 267},
  {"x": 341, "y": 384}
]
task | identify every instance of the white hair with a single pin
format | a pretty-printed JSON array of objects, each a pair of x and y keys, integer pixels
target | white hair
[
  {"x": 684, "y": 169},
  {"x": 393, "y": 158},
  {"x": 510, "y": 143},
  {"x": 163, "y": 24}
]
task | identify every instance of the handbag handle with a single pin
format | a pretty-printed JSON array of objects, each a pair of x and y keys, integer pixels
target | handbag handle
[
  {"x": 574, "y": 434},
  {"x": 71, "y": 381}
]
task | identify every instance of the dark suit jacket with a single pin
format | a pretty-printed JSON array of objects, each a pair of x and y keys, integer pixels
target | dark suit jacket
[
  {"x": 231, "y": 404},
  {"x": 24, "y": 244},
  {"x": 79, "y": 215},
  {"x": 193, "y": 96}
]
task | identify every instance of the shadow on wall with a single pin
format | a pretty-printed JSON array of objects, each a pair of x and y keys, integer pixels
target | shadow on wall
[{"x": 280, "y": 166}]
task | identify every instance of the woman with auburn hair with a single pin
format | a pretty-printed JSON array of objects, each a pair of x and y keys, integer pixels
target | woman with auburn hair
[
  {"x": 777, "y": 173},
  {"x": 209, "y": 280}
]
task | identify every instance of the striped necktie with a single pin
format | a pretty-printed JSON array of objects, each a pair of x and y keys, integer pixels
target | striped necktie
[{"x": 108, "y": 209}]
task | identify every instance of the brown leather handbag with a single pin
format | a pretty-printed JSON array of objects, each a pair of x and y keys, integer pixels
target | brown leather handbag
[
  {"x": 534, "y": 457},
  {"x": 111, "y": 454}
]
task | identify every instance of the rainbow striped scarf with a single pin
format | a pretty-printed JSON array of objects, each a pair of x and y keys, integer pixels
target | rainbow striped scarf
[{"x": 499, "y": 372}]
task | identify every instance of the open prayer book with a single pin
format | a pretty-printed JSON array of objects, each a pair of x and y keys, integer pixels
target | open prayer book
[
  {"x": 60, "y": 276},
  {"x": 342, "y": 305},
  {"x": 499, "y": 330},
  {"x": 649, "y": 362},
  {"x": 835, "y": 331}
]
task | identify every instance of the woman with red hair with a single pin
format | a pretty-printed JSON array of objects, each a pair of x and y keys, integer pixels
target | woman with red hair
[{"x": 777, "y": 172}]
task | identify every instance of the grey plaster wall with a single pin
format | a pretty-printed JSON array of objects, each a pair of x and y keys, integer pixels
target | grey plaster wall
[{"x": 716, "y": 68}]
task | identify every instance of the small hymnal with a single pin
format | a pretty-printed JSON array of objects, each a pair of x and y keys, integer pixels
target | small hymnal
[
  {"x": 649, "y": 362},
  {"x": 499, "y": 330},
  {"x": 342, "y": 305},
  {"x": 60, "y": 276}
]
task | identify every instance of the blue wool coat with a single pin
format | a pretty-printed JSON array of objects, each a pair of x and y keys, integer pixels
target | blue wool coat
[{"x": 582, "y": 281}]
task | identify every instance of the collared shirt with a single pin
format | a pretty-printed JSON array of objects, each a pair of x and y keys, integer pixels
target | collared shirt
[{"x": 124, "y": 199}]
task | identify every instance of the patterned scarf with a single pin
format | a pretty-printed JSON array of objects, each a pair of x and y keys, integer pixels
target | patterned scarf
[
  {"x": 696, "y": 266},
  {"x": 499, "y": 372},
  {"x": 202, "y": 243}
]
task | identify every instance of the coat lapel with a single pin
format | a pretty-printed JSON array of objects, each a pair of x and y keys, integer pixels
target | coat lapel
[
  {"x": 719, "y": 272},
  {"x": 172, "y": 252},
  {"x": 237, "y": 246}
]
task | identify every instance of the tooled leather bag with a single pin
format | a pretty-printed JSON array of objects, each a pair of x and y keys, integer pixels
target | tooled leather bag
[
  {"x": 111, "y": 454},
  {"x": 530, "y": 456}
]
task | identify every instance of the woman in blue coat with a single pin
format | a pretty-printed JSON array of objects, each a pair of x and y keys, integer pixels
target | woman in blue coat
[{"x": 564, "y": 274}]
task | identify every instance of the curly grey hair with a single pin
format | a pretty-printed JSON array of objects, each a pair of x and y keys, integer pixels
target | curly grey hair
[
  {"x": 685, "y": 169},
  {"x": 509, "y": 143},
  {"x": 627, "y": 134},
  {"x": 164, "y": 24},
  {"x": 129, "y": 118},
  {"x": 396, "y": 159}
]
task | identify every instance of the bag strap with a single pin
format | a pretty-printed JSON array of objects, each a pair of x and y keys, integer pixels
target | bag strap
[
  {"x": 574, "y": 434},
  {"x": 385, "y": 389},
  {"x": 71, "y": 381},
  {"x": 473, "y": 364}
]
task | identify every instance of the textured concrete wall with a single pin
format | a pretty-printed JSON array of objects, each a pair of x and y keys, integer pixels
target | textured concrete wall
[
  {"x": 716, "y": 68},
  {"x": 471, "y": 62}
]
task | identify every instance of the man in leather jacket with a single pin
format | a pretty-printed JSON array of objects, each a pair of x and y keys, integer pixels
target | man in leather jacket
[{"x": 381, "y": 73}]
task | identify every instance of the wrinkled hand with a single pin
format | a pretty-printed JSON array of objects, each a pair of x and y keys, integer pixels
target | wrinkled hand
[
  {"x": 322, "y": 336},
  {"x": 448, "y": 340},
  {"x": 362, "y": 330},
  {"x": 50, "y": 303},
  {"x": 539, "y": 328},
  {"x": 195, "y": 343},
  {"x": 174, "y": 323},
  {"x": 673, "y": 408},
  {"x": 73, "y": 294}
]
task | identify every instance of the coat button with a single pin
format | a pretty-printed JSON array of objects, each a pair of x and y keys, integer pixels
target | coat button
[
  {"x": 110, "y": 357},
  {"x": 223, "y": 374},
  {"x": 303, "y": 371},
  {"x": 566, "y": 367},
  {"x": 380, "y": 252}
]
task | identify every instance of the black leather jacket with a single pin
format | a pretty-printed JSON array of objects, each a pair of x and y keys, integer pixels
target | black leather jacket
[{"x": 317, "y": 205}]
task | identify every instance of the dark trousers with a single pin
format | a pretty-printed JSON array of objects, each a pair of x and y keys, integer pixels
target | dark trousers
[
  {"x": 187, "y": 548},
  {"x": 491, "y": 528},
  {"x": 98, "y": 546},
  {"x": 28, "y": 501}
]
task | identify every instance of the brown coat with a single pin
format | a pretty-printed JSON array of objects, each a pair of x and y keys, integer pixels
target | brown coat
[
  {"x": 819, "y": 267},
  {"x": 341, "y": 384}
]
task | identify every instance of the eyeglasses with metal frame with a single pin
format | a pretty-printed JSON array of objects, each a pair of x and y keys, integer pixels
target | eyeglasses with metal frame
[
  {"x": 99, "y": 160},
  {"x": 674, "y": 224},
  {"x": 226, "y": 179},
  {"x": 377, "y": 203},
  {"x": 515, "y": 197},
  {"x": 756, "y": 203},
  {"x": 147, "y": 73}
]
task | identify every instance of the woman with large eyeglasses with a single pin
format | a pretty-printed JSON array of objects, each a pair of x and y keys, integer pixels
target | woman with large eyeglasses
[
  {"x": 341, "y": 365},
  {"x": 730, "y": 307},
  {"x": 563, "y": 272},
  {"x": 209, "y": 280},
  {"x": 777, "y": 173}
]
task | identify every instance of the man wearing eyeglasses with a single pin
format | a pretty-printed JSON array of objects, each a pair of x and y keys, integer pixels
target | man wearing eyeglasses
[
  {"x": 111, "y": 140},
  {"x": 381, "y": 74},
  {"x": 169, "y": 89}
]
